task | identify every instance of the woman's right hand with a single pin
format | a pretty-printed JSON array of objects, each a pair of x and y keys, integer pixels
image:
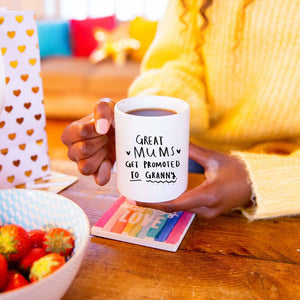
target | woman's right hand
[{"x": 91, "y": 141}]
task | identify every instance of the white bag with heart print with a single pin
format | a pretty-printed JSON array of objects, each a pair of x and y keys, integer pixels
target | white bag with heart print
[{"x": 23, "y": 140}]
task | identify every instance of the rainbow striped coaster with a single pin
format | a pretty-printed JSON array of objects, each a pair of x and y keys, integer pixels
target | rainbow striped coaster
[{"x": 126, "y": 222}]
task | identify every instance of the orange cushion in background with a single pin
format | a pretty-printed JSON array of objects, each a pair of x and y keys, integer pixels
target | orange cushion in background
[{"x": 144, "y": 31}]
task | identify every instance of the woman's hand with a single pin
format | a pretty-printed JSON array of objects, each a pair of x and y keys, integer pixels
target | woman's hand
[
  {"x": 91, "y": 142},
  {"x": 226, "y": 186}
]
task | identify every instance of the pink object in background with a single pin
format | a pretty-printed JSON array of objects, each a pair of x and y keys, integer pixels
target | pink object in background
[{"x": 82, "y": 33}]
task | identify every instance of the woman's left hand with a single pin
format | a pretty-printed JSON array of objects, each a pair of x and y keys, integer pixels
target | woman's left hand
[{"x": 226, "y": 186}]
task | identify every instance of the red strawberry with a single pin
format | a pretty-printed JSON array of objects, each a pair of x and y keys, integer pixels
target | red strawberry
[
  {"x": 15, "y": 280},
  {"x": 33, "y": 255},
  {"x": 45, "y": 266},
  {"x": 58, "y": 240},
  {"x": 37, "y": 237},
  {"x": 3, "y": 272},
  {"x": 14, "y": 242}
]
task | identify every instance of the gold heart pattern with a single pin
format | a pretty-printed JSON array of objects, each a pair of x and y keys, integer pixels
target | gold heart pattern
[
  {"x": 4, "y": 151},
  {"x": 27, "y": 105},
  {"x": 30, "y": 32},
  {"x": 30, "y": 131},
  {"x": 24, "y": 148},
  {"x": 12, "y": 136},
  {"x": 8, "y": 108},
  {"x": 32, "y": 61},
  {"x": 28, "y": 173},
  {"x": 35, "y": 89},
  {"x": 24, "y": 77},
  {"x": 16, "y": 162},
  {"x": 21, "y": 48},
  {"x": 11, "y": 179},
  {"x": 19, "y": 18},
  {"x": 38, "y": 116},
  {"x": 11, "y": 34},
  {"x": 14, "y": 63},
  {"x": 17, "y": 93},
  {"x": 33, "y": 157},
  {"x": 45, "y": 168},
  {"x": 39, "y": 142},
  {"x": 19, "y": 120}
]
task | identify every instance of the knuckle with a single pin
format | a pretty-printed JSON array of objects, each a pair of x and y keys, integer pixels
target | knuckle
[
  {"x": 84, "y": 149},
  {"x": 83, "y": 131},
  {"x": 169, "y": 208},
  {"x": 103, "y": 152},
  {"x": 213, "y": 196},
  {"x": 84, "y": 168},
  {"x": 104, "y": 104},
  {"x": 211, "y": 199},
  {"x": 66, "y": 135},
  {"x": 64, "y": 138},
  {"x": 103, "y": 180},
  {"x": 71, "y": 155},
  {"x": 210, "y": 214}
]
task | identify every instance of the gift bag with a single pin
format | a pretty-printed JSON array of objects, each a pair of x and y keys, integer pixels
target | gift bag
[{"x": 23, "y": 141}]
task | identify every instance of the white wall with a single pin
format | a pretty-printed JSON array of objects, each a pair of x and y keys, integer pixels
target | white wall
[
  {"x": 124, "y": 9},
  {"x": 35, "y": 5}
]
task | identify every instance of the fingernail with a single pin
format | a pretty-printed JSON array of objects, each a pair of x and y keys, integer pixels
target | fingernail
[
  {"x": 102, "y": 126},
  {"x": 131, "y": 201}
]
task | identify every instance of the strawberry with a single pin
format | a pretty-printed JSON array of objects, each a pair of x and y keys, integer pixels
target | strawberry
[
  {"x": 15, "y": 280},
  {"x": 45, "y": 266},
  {"x": 26, "y": 262},
  {"x": 14, "y": 242},
  {"x": 37, "y": 237},
  {"x": 3, "y": 272},
  {"x": 58, "y": 240}
]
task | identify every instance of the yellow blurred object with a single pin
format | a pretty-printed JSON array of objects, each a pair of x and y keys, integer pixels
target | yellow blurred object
[
  {"x": 144, "y": 31},
  {"x": 115, "y": 44}
]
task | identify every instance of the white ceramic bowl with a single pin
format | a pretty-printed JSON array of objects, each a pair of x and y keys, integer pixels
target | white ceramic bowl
[{"x": 38, "y": 209}]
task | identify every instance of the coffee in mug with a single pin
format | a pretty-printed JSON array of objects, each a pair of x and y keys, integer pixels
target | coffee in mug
[{"x": 151, "y": 112}]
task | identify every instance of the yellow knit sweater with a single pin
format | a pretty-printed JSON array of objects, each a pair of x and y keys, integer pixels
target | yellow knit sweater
[{"x": 241, "y": 77}]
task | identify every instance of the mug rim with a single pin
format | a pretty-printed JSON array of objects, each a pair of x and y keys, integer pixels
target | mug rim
[{"x": 161, "y": 102}]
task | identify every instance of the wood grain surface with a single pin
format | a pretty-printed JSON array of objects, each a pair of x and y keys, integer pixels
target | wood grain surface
[{"x": 223, "y": 258}]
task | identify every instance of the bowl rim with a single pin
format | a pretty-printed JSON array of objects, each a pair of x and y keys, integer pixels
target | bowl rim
[{"x": 79, "y": 253}]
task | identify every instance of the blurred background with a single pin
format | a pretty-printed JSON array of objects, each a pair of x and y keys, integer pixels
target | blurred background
[
  {"x": 89, "y": 49},
  {"x": 66, "y": 9}
]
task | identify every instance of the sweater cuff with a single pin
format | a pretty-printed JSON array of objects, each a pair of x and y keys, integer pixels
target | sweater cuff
[{"x": 275, "y": 182}]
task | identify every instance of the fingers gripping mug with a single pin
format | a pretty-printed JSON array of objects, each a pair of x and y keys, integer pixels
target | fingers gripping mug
[{"x": 152, "y": 141}]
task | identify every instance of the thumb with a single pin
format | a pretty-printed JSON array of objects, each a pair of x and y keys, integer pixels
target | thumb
[
  {"x": 103, "y": 115},
  {"x": 200, "y": 155}
]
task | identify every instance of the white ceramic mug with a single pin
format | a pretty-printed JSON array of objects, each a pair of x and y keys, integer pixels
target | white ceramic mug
[{"x": 152, "y": 151}]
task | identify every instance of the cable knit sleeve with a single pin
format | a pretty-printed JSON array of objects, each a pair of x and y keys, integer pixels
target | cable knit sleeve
[
  {"x": 172, "y": 65},
  {"x": 275, "y": 182}
]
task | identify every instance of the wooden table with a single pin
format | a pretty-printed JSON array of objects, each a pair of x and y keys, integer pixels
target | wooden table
[{"x": 224, "y": 258}]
